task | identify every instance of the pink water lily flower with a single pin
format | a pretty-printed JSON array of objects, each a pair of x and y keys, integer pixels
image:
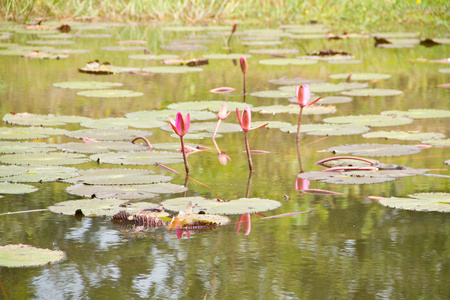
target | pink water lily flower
[
  {"x": 246, "y": 118},
  {"x": 181, "y": 125},
  {"x": 303, "y": 94},
  {"x": 223, "y": 114}
]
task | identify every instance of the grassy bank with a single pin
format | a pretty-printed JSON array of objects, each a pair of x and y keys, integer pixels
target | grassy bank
[{"x": 348, "y": 14}]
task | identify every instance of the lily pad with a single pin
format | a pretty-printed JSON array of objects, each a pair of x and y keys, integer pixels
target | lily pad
[
  {"x": 395, "y": 35},
  {"x": 125, "y": 192},
  {"x": 294, "y": 109},
  {"x": 99, "y": 207},
  {"x": 375, "y": 150},
  {"x": 121, "y": 123},
  {"x": 402, "y": 135},
  {"x": 13, "y": 256},
  {"x": 41, "y": 120},
  {"x": 341, "y": 178},
  {"x": 262, "y": 43},
  {"x": 419, "y": 113},
  {"x": 330, "y": 87},
  {"x": 14, "y": 188},
  {"x": 294, "y": 81},
  {"x": 209, "y": 105},
  {"x": 233, "y": 207},
  {"x": 287, "y": 61},
  {"x": 236, "y": 56},
  {"x": 164, "y": 115},
  {"x": 138, "y": 158},
  {"x": 369, "y": 120},
  {"x": 274, "y": 94},
  {"x": 8, "y": 171},
  {"x": 153, "y": 56},
  {"x": 420, "y": 202},
  {"x": 437, "y": 143},
  {"x": 172, "y": 69},
  {"x": 117, "y": 177},
  {"x": 50, "y": 42},
  {"x": 101, "y": 147},
  {"x": 45, "y": 174},
  {"x": 45, "y": 55},
  {"x": 26, "y": 147},
  {"x": 345, "y": 62},
  {"x": 334, "y": 100},
  {"x": 184, "y": 47},
  {"x": 87, "y": 85},
  {"x": 44, "y": 159},
  {"x": 105, "y": 93},
  {"x": 108, "y": 135},
  {"x": 123, "y": 48},
  {"x": 274, "y": 51},
  {"x": 327, "y": 129},
  {"x": 361, "y": 76},
  {"x": 372, "y": 92}
]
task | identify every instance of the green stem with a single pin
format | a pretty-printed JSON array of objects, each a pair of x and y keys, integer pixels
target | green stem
[
  {"x": 249, "y": 156},
  {"x": 184, "y": 155}
]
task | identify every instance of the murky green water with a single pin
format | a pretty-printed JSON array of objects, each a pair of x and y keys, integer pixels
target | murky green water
[{"x": 349, "y": 247}]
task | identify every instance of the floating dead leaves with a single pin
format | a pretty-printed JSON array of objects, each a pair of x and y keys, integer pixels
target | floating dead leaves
[
  {"x": 14, "y": 256},
  {"x": 41, "y": 120},
  {"x": 216, "y": 206},
  {"x": 181, "y": 62},
  {"x": 106, "y": 68},
  {"x": 424, "y": 202},
  {"x": 172, "y": 69},
  {"x": 375, "y": 150},
  {"x": 144, "y": 220}
]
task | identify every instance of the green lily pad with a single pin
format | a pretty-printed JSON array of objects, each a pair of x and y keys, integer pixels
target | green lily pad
[
  {"x": 372, "y": 92},
  {"x": 121, "y": 123},
  {"x": 375, "y": 150},
  {"x": 26, "y": 147},
  {"x": 138, "y": 158},
  {"x": 45, "y": 174},
  {"x": 369, "y": 120},
  {"x": 345, "y": 62},
  {"x": 294, "y": 81},
  {"x": 420, "y": 202},
  {"x": 14, "y": 188},
  {"x": 361, "y": 76},
  {"x": 327, "y": 129},
  {"x": 8, "y": 171},
  {"x": 274, "y": 51},
  {"x": 287, "y": 61},
  {"x": 101, "y": 147},
  {"x": 233, "y": 207},
  {"x": 236, "y": 56},
  {"x": 395, "y": 35},
  {"x": 13, "y": 256},
  {"x": 262, "y": 43},
  {"x": 172, "y": 69},
  {"x": 402, "y": 135},
  {"x": 105, "y": 93},
  {"x": 22, "y": 133},
  {"x": 294, "y": 109},
  {"x": 125, "y": 192},
  {"x": 51, "y": 42},
  {"x": 44, "y": 159},
  {"x": 341, "y": 178},
  {"x": 334, "y": 100},
  {"x": 87, "y": 85},
  {"x": 274, "y": 94},
  {"x": 123, "y": 48},
  {"x": 330, "y": 87},
  {"x": 153, "y": 56},
  {"x": 419, "y": 113},
  {"x": 437, "y": 143},
  {"x": 184, "y": 47},
  {"x": 307, "y": 28},
  {"x": 164, "y": 115},
  {"x": 45, "y": 55},
  {"x": 209, "y": 105},
  {"x": 117, "y": 177},
  {"x": 108, "y": 135},
  {"x": 446, "y": 70},
  {"x": 41, "y": 120},
  {"x": 99, "y": 207},
  {"x": 308, "y": 36}
]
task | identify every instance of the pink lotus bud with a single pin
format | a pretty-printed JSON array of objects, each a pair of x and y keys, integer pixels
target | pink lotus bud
[{"x": 244, "y": 65}]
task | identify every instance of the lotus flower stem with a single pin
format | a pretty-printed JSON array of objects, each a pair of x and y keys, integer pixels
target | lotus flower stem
[
  {"x": 216, "y": 129},
  {"x": 249, "y": 156},
  {"x": 231, "y": 35},
  {"x": 184, "y": 155},
  {"x": 299, "y": 123},
  {"x": 145, "y": 140}
]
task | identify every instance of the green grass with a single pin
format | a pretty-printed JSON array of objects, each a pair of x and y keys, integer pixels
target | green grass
[{"x": 342, "y": 14}]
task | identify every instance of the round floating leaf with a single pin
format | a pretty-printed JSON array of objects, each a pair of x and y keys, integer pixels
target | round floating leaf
[
  {"x": 87, "y": 85},
  {"x": 308, "y": 36},
  {"x": 287, "y": 61},
  {"x": 395, "y": 35},
  {"x": 361, "y": 76},
  {"x": 402, "y": 135},
  {"x": 233, "y": 207},
  {"x": 45, "y": 55},
  {"x": 41, "y": 120},
  {"x": 110, "y": 93},
  {"x": 375, "y": 150},
  {"x": 294, "y": 109},
  {"x": 327, "y": 129},
  {"x": 25, "y": 147},
  {"x": 108, "y": 135},
  {"x": 184, "y": 47},
  {"x": 274, "y": 94},
  {"x": 372, "y": 92},
  {"x": 196, "y": 28},
  {"x": 164, "y": 115},
  {"x": 437, "y": 143},
  {"x": 262, "y": 43},
  {"x": 117, "y": 177},
  {"x": 341, "y": 178},
  {"x": 125, "y": 192},
  {"x": 236, "y": 56},
  {"x": 121, "y": 123},
  {"x": 13, "y": 256},
  {"x": 369, "y": 120},
  {"x": 8, "y": 171},
  {"x": 209, "y": 105},
  {"x": 274, "y": 51},
  {"x": 345, "y": 62},
  {"x": 446, "y": 70},
  {"x": 44, "y": 159},
  {"x": 99, "y": 207},
  {"x": 172, "y": 146},
  {"x": 138, "y": 158},
  {"x": 294, "y": 81},
  {"x": 419, "y": 113},
  {"x": 51, "y": 42},
  {"x": 101, "y": 147},
  {"x": 153, "y": 57},
  {"x": 172, "y": 69},
  {"x": 334, "y": 100},
  {"x": 330, "y": 87},
  {"x": 420, "y": 202},
  {"x": 123, "y": 48},
  {"x": 14, "y": 188},
  {"x": 45, "y": 174}
]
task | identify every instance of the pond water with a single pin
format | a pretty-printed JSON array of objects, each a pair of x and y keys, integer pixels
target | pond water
[{"x": 345, "y": 247}]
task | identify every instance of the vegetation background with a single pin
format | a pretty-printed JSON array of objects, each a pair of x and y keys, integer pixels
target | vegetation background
[{"x": 340, "y": 14}]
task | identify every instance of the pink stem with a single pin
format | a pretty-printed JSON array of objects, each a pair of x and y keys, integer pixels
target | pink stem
[
  {"x": 184, "y": 155},
  {"x": 145, "y": 139},
  {"x": 321, "y": 162},
  {"x": 247, "y": 147},
  {"x": 217, "y": 128},
  {"x": 244, "y": 88}
]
